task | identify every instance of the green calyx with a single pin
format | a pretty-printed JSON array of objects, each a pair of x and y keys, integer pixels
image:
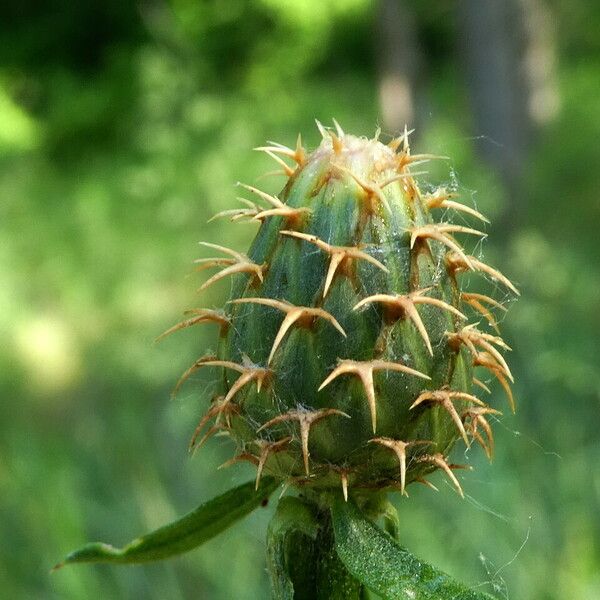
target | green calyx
[{"x": 346, "y": 356}]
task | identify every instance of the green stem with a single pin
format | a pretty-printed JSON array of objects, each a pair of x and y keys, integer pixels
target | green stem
[{"x": 302, "y": 561}]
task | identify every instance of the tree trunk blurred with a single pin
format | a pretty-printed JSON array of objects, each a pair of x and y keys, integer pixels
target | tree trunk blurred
[
  {"x": 508, "y": 52},
  {"x": 398, "y": 60},
  {"x": 493, "y": 42}
]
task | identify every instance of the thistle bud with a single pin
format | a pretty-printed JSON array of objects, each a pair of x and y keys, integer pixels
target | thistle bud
[{"x": 348, "y": 347}]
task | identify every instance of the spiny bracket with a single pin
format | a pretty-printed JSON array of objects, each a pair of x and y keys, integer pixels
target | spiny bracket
[
  {"x": 344, "y": 482},
  {"x": 298, "y": 155},
  {"x": 218, "y": 409},
  {"x": 249, "y": 372},
  {"x": 325, "y": 133},
  {"x": 239, "y": 263},
  {"x": 190, "y": 371},
  {"x": 399, "y": 448},
  {"x": 201, "y": 315},
  {"x": 337, "y": 144},
  {"x": 441, "y": 232},
  {"x": 471, "y": 337},
  {"x": 406, "y": 304},
  {"x": 338, "y": 255},
  {"x": 242, "y": 457},
  {"x": 482, "y": 385},
  {"x": 321, "y": 129},
  {"x": 473, "y": 418},
  {"x": 306, "y": 419},
  {"x": 405, "y": 159},
  {"x": 279, "y": 208},
  {"x": 301, "y": 314},
  {"x": 271, "y": 152},
  {"x": 236, "y": 214},
  {"x": 445, "y": 398},
  {"x": 338, "y": 128},
  {"x": 343, "y": 472},
  {"x": 443, "y": 199},
  {"x": 439, "y": 461},
  {"x": 486, "y": 360},
  {"x": 372, "y": 191},
  {"x": 267, "y": 448},
  {"x": 409, "y": 177},
  {"x": 427, "y": 483},
  {"x": 364, "y": 370},
  {"x": 457, "y": 262},
  {"x": 401, "y": 140},
  {"x": 476, "y": 301}
]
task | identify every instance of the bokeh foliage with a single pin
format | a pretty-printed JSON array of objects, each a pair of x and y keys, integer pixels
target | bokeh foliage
[{"x": 123, "y": 127}]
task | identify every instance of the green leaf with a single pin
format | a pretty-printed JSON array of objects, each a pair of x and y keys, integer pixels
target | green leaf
[
  {"x": 290, "y": 549},
  {"x": 334, "y": 581},
  {"x": 182, "y": 535},
  {"x": 386, "y": 568}
]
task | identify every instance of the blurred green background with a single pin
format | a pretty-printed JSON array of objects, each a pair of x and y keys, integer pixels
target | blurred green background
[{"x": 124, "y": 126}]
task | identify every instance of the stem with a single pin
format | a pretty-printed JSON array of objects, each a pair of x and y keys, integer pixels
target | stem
[{"x": 302, "y": 560}]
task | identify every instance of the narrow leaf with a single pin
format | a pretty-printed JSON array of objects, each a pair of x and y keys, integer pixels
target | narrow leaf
[
  {"x": 182, "y": 535},
  {"x": 386, "y": 568}
]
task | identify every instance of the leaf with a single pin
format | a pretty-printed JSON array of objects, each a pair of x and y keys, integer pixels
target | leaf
[
  {"x": 386, "y": 568},
  {"x": 182, "y": 535}
]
